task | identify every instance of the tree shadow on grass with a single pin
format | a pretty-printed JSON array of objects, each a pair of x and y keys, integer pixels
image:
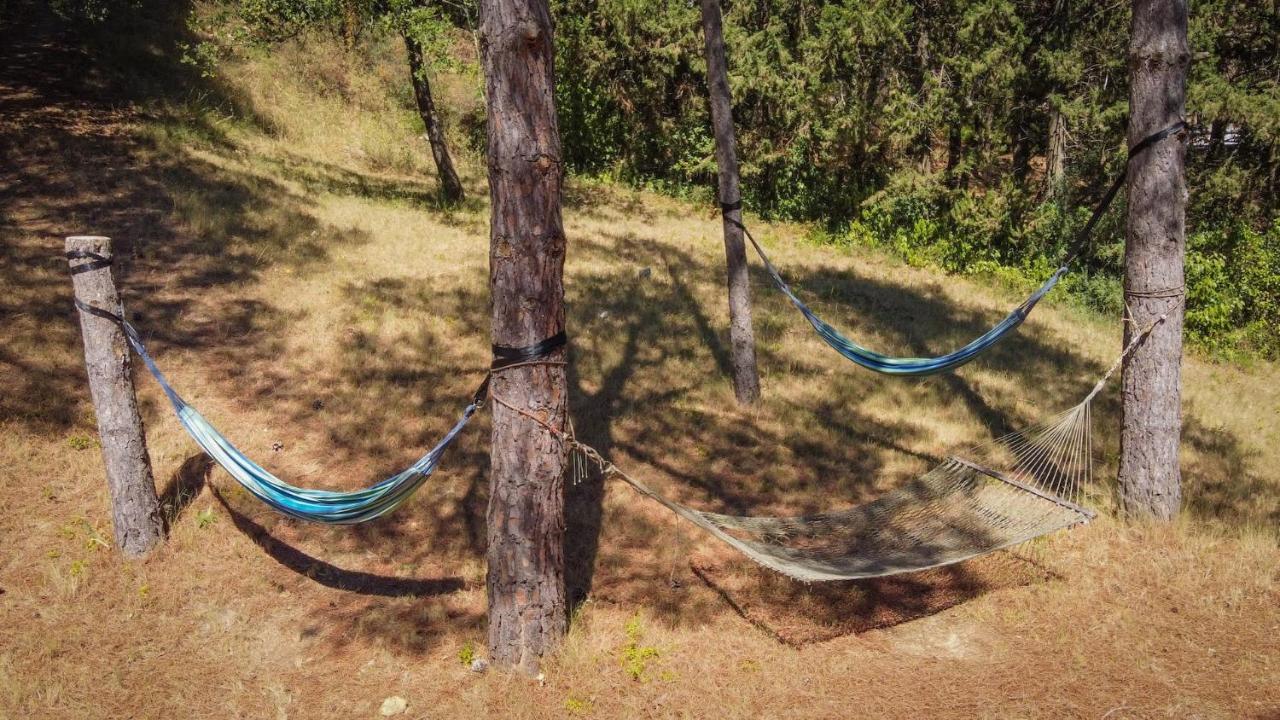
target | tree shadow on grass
[
  {"x": 1221, "y": 482},
  {"x": 185, "y": 230},
  {"x": 323, "y": 177},
  {"x": 184, "y": 487}
]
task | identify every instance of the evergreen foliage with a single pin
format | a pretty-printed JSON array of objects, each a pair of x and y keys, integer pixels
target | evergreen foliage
[{"x": 928, "y": 127}]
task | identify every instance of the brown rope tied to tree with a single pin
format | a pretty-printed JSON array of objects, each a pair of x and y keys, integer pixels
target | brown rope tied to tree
[{"x": 1173, "y": 292}]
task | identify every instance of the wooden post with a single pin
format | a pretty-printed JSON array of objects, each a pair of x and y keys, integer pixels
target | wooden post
[
  {"x": 135, "y": 511},
  {"x": 1155, "y": 243},
  {"x": 746, "y": 379},
  {"x": 525, "y": 583}
]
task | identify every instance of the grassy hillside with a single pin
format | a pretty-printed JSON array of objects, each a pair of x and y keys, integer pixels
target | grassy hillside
[{"x": 299, "y": 284}]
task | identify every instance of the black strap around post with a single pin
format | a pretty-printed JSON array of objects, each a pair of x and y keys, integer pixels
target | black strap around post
[
  {"x": 99, "y": 261},
  {"x": 99, "y": 312}
]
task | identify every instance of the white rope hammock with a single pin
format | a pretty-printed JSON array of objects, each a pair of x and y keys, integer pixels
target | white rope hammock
[
  {"x": 993, "y": 496},
  {"x": 960, "y": 509}
]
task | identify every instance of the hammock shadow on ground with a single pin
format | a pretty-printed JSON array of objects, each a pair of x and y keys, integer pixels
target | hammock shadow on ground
[
  {"x": 798, "y": 614},
  {"x": 329, "y": 575}
]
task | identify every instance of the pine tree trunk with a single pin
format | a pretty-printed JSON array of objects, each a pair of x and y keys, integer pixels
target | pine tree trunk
[
  {"x": 527, "y": 610},
  {"x": 135, "y": 510},
  {"x": 922, "y": 144},
  {"x": 746, "y": 379},
  {"x": 955, "y": 148},
  {"x": 1155, "y": 240},
  {"x": 450, "y": 185},
  {"x": 1056, "y": 160}
]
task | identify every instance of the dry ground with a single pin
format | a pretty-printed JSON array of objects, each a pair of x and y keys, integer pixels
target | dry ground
[{"x": 300, "y": 286}]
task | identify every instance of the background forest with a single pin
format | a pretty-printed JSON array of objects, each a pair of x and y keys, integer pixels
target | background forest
[{"x": 971, "y": 135}]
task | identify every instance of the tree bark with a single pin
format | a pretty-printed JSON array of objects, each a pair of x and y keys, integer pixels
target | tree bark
[
  {"x": 955, "y": 147},
  {"x": 135, "y": 510},
  {"x": 350, "y": 23},
  {"x": 1056, "y": 157},
  {"x": 450, "y": 185},
  {"x": 527, "y": 610},
  {"x": 746, "y": 379},
  {"x": 1155, "y": 243}
]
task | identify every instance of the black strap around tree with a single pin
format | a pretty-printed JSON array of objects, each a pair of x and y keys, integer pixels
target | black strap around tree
[
  {"x": 505, "y": 356},
  {"x": 1082, "y": 238}
]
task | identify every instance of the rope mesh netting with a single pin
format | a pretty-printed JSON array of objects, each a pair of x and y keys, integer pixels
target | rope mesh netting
[{"x": 960, "y": 509}]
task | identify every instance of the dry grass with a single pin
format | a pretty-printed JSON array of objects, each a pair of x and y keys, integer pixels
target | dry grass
[{"x": 301, "y": 287}]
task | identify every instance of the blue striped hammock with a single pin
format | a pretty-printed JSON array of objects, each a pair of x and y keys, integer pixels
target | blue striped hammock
[
  {"x": 322, "y": 506},
  {"x": 911, "y": 366},
  {"x": 908, "y": 366}
]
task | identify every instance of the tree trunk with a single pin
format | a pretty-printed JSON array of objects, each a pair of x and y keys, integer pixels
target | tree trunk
[
  {"x": 921, "y": 146},
  {"x": 450, "y": 185},
  {"x": 527, "y": 611},
  {"x": 955, "y": 147},
  {"x": 1150, "y": 479},
  {"x": 746, "y": 379},
  {"x": 350, "y": 23},
  {"x": 135, "y": 510},
  {"x": 1217, "y": 138},
  {"x": 1056, "y": 157}
]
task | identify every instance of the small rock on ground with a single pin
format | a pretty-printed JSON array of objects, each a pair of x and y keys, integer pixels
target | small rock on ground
[{"x": 394, "y": 705}]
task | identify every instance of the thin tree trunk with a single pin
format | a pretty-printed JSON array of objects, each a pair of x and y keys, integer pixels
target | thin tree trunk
[
  {"x": 135, "y": 510},
  {"x": 527, "y": 610},
  {"x": 921, "y": 147},
  {"x": 746, "y": 379},
  {"x": 1155, "y": 241},
  {"x": 350, "y": 23},
  {"x": 450, "y": 185},
  {"x": 1056, "y": 160},
  {"x": 955, "y": 147},
  {"x": 1217, "y": 138}
]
